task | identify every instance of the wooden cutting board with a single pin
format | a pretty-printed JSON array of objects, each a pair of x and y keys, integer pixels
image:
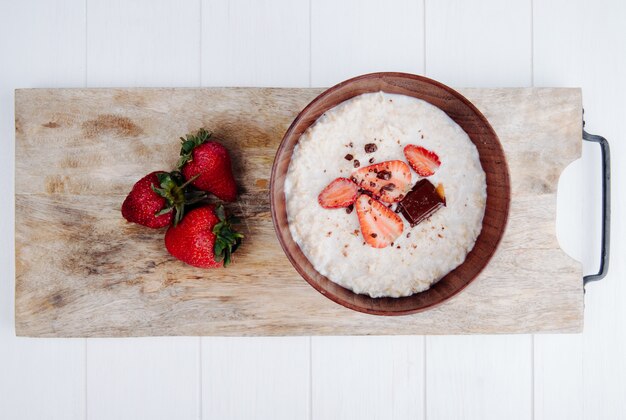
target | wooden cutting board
[{"x": 83, "y": 271}]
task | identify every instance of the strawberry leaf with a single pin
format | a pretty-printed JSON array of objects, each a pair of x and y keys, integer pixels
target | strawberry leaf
[
  {"x": 227, "y": 240},
  {"x": 175, "y": 191},
  {"x": 189, "y": 143}
]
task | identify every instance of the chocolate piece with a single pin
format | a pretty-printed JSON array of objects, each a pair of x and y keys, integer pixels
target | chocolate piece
[
  {"x": 420, "y": 203},
  {"x": 389, "y": 187},
  {"x": 348, "y": 157},
  {"x": 371, "y": 160},
  {"x": 370, "y": 148},
  {"x": 356, "y": 163},
  {"x": 350, "y": 208},
  {"x": 383, "y": 175}
]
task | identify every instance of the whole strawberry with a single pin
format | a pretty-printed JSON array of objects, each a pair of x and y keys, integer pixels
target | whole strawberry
[
  {"x": 157, "y": 199},
  {"x": 204, "y": 238},
  {"x": 209, "y": 161}
]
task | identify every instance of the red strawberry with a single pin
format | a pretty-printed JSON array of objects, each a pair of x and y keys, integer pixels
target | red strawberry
[
  {"x": 209, "y": 161},
  {"x": 388, "y": 181},
  {"x": 423, "y": 161},
  {"x": 157, "y": 199},
  {"x": 204, "y": 238},
  {"x": 340, "y": 193},
  {"x": 380, "y": 226}
]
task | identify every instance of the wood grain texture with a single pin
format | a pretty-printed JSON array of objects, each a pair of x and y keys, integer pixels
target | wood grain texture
[
  {"x": 349, "y": 38},
  {"x": 558, "y": 377},
  {"x": 83, "y": 271},
  {"x": 480, "y": 43},
  {"x": 604, "y": 341},
  {"x": 368, "y": 378},
  {"x": 489, "y": 377},
  {"x": 255, "y": 43},
  {"x": 259, "y": 43},
  {"x": 492, "y": 160},
  {"x": 558, "y": 359},
  {"x": 345, "y": 43},
  {"x": 256, "y": 378},
  {"x": 38, "y": 378},
  {"x": 484, "y": 43},
  {"x": 143, "y": 378},
  {"x": 142, "y": 43}
]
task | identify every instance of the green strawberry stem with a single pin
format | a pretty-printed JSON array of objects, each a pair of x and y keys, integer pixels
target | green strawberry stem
[
  {"x": 176, "y": 194},
  {"x": 190, "y": 142},
  {"x": 227, "y": 240}
]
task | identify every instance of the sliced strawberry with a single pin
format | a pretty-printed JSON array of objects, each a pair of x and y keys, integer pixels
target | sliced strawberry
[
  {"x": 379, "y": 225},
  {"x": 340, "y": 193},
  {"x": 423, "y": 161},
  {"x": 388, "y": 181}
]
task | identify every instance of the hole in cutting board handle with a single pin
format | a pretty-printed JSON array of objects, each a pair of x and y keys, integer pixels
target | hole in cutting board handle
[
  {"x": 569, "y": 210},
  {"x": 579, "y": 209}
]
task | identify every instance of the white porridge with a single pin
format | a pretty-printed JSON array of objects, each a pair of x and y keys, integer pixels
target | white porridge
[{"x": 331, "y": 238}]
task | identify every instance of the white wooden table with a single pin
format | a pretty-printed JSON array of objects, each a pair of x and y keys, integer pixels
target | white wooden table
[{"x": 483, "y": 43}]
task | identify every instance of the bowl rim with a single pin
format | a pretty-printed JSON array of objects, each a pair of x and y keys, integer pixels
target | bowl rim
[{"x": 280, "y": 232}]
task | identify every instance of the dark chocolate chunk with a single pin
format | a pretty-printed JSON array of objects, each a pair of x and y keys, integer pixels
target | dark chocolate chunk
[
  {"x": 356, "y": 163},
  {"x": 370, "y": 148},
  {"x": 420, "y": 203},
  {"x": 349, "y": 208},
  {"x": 348, "y": 157},
  {"x": 383, "y": 175},
  {"x": 389, "y": 187}
]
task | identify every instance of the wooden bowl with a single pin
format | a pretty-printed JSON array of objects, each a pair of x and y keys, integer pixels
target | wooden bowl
[{"x": 491, "y": 158}]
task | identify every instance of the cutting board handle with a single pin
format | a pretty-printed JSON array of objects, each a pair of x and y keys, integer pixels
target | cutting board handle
[{"x": 606, "y": 206}]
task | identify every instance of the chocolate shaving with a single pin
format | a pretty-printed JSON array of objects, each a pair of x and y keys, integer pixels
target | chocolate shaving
[
  {"x": 383, "y": 175},
  {"x": 348, "y": 157},
  {"x": 356, "y": 163},
  {"x": 371, "y": 160},
  {"x": 349, "y": 209}
]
